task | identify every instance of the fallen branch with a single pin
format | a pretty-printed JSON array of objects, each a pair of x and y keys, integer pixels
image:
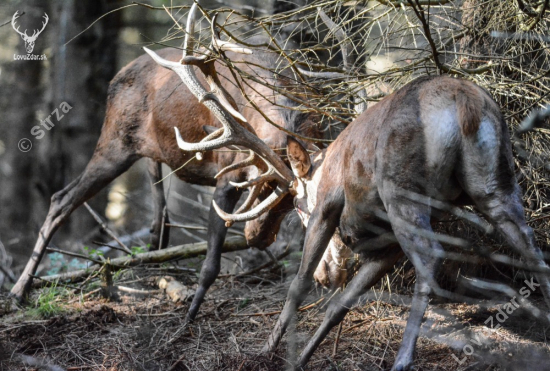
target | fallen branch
[
  {"x": 74, "y": 254},
  {"x": 153, "y": 257},
  {"x": 131, "y": 290}
]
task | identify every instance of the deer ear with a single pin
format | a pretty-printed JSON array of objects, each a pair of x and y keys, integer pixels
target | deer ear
[{"x": 298, "y": 157}]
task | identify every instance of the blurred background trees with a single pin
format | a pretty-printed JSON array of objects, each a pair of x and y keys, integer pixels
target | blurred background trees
[{"x": 78, "y": 74}]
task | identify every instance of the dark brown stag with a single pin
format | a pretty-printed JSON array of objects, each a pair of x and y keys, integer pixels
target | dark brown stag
[
  {"x": 145, "y": 103},
  {"x": 438, "y": 140}
]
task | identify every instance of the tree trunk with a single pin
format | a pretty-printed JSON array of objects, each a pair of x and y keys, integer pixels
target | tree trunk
[
  {"x": 79, "y": 75},
  {"x": 19, "y": 105}
]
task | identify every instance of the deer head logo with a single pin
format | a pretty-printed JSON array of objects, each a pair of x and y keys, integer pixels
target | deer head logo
[{"x": 29, "y": 40}]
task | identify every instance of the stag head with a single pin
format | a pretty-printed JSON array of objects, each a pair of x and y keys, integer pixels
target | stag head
[
  {"x": 236, "y": 130},
  {"x": 29, "y": 40}
]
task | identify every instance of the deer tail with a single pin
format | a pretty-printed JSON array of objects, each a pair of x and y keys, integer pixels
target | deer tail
[{"x": 469, "y": 105}]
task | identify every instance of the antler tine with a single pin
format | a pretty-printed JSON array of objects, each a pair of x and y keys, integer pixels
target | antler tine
[
  {"x": 218, "y": 133},
  {"x": 268, "y": 176},
  {"x": 223, "y": 141},
  {"x": 186, "y": 72},
  {"x": 252, "y": 196},
  {"x": 218, "y": 91},
  {"x": 189, "y": 41},
  {"x": 345, "y": 42},
  {"x": 250, "y": 160},
  {"x": 221, "y": 45},
  {"x": 348, "y": 56},
  {"x": 46, "y": 19},
  {"x": 212, "y": 77},
  {"x": 265, "y": 205},
  {"x": 234, "y": 133},
  {"x": 16, "y": 28}
]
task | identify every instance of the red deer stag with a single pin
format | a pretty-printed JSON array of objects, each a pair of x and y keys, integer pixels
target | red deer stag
[
  {"x": 374, "y": 188},
  {"x": 145, "y": 102}
]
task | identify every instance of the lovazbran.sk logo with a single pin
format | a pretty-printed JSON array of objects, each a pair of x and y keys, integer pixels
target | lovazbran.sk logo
[{"x": 29, "y": 40}]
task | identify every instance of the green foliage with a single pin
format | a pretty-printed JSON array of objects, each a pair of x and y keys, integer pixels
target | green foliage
[
  {"x": 139, "y": 249},
  {"x": 47, "y": 303},
  {"x": 59, "y": 264},
  {"x": 93, "y": 253}
]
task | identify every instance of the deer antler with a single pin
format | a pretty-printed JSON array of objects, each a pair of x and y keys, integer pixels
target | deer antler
[
  {"x": 236, "y": 133},
  {"x": 15, "y": 16},
  {"x": 348, "y": 57},
  {"x": 36, "y": 32}
]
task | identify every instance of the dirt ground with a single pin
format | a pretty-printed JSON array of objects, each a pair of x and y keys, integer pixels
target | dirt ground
[{"x": 146, "y": 331}]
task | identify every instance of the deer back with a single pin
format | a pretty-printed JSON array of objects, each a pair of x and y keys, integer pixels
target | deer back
[{"x": 421, "y": 138}]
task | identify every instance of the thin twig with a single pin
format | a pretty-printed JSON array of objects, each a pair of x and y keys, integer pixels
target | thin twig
[
  {"x": 335, "y": 347},
  {"x": 76, "y": 255},
  {"x": 106, "y": 229}
]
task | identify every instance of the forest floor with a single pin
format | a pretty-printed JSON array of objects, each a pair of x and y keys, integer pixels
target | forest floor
[{"x": 62, "y": 331}]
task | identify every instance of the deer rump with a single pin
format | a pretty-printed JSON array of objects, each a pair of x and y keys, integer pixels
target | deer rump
[{"x": 418, "y": 138}]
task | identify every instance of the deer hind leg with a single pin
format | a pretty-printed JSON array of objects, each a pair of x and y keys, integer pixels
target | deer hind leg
[
  {"x": 505, "y": 212},
  {"x": 369, "y": 274},
  {"x": 226, "y": 196},
  {"x": 411, "y": 226},
  {"x": 99, "y": 172},
  {"x": 160, "y": 235},
  {"x": 488, "y": 178}
]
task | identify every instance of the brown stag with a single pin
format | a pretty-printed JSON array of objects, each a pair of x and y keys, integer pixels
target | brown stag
[
  {"x": 145, "y": 102},
  {"x": 375, "y": 189}
]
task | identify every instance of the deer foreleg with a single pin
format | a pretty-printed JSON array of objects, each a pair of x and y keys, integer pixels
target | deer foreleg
[
  {"x": 369, "y": 274},
  {"x": 226, "y": 196},
  {"x": 321, "y": 227},
  {"x": 160, "y": 235}
]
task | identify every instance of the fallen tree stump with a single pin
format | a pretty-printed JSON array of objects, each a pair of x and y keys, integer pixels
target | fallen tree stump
[{"x": 152, "y": 257}]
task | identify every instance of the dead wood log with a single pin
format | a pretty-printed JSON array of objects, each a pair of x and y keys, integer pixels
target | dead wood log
[
  {"x": 153, "y": 257},
  {"x": 174, "y": 289}
]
